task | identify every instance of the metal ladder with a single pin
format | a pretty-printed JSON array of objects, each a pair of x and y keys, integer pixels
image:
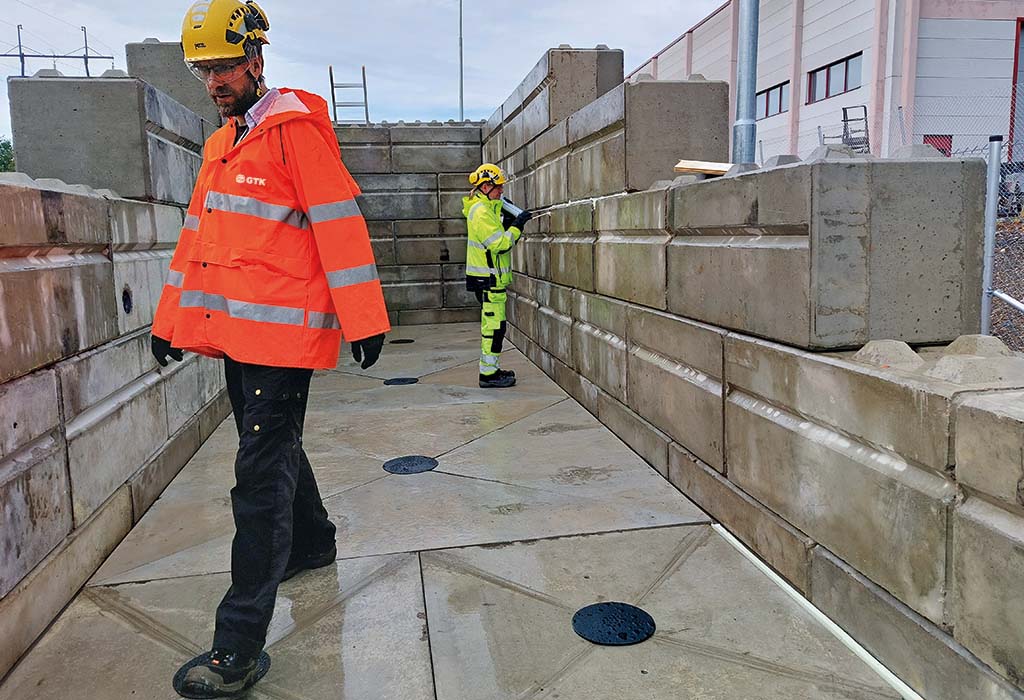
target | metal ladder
[{"x": 365, "y": 104}]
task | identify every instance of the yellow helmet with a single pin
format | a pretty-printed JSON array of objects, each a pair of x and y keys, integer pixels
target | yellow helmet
[
  {"x": 216, "y": 29},
  {"x": 488, "y": 172}
]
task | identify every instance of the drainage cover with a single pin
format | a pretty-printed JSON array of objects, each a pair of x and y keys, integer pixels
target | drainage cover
[
  {"x": 403, "y": 341},
  {"x": 410, "y": 465},
  {"x": 613, "y": 624},
  {"x": 401, "y": 381},
  {"x": 262, "y": 666}
]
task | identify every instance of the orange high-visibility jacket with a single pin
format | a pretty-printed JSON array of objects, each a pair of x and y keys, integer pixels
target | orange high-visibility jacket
[{"x": 274, "y": 262}]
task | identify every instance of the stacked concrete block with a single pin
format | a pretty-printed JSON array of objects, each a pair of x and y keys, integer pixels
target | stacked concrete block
[
  {"x": 599, "y": 342},
  {"x": 143, "y": 237},
  {"x": 852, "y": 251},
  {"x": 675, "y": 380},
  {"x": 162, "y": 65},
  {"x": 57, "y": 298},
  {"x": 988, "y": 528},
  {"x": 626, "y": 139},
  {"x": 122, "y": 134},
  {"x": 919, "y": 652},
  {"x": 630, "y": 250},
  {"x": 80, "y": 276},
  {"x": 34, "y": 488},
  {"x": 635, "y": 134},
  {"x": 871, "y": 487},
  {"x": 562, "y": 81},
  {"x": 413, "y": 179},
  {"x": 570, "y": 245}
]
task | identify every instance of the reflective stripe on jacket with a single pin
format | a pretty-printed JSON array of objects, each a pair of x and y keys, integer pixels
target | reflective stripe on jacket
[
  {"x": 489, "y": 245},
  {"x": 274, "y": 263}
]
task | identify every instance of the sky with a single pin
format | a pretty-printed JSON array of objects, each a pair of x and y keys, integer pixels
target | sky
[{"x": 409, "y": 47}]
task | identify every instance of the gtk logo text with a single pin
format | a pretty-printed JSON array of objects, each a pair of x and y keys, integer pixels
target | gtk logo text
[{"x": 243, "y": 180}]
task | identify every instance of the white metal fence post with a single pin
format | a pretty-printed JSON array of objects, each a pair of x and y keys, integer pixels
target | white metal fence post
[{"x": 995, "y": 158}]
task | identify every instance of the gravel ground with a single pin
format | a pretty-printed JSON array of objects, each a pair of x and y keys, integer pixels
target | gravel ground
[{"x": 1008, "y": 276}]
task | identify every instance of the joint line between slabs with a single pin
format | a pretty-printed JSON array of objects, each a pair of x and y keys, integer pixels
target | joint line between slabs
[
  {"x": 573, "y": 497},
  {"x": 507, "y": 425},
  {"x": 426, "y": 624},
  {"x": 560, "y": 674},
  {"x": 459, "y": 567},
  {"x": 298, "y": 625},
  {"x": 814, "y": 676},
  {"x": 691, "y": 542},
  {"x": 111, "y": 604},
  {"x": 523, "y": 540}
]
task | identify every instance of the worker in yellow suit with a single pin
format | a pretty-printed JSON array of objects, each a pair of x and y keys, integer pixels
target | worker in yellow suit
[{"x": 489, "y": 265}]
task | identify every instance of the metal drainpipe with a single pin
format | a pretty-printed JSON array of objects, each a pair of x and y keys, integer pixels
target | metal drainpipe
[{"x": 744, "y": 131}]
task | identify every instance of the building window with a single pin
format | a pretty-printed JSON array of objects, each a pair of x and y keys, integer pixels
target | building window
[
  {"x": 943, "y": 143},
  {"x": 773, "y": 101},
  {"x": 835, "y": 79}
]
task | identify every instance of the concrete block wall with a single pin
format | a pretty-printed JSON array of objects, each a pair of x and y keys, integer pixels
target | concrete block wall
[
  {"x": 822, "y": 255},
  {"x": 626, "y": 139},
  {"x": 880, "y": 479},
  {"x": 413, "y": 178},
  {"x": 123, "y": 134},
  {"x": 91, "y": 429}
]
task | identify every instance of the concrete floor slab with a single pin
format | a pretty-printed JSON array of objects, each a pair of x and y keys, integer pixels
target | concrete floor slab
[
  {"x": 434, "y": 511},
  {"x": 564, "y": 449},
  {"x": 435, "y": 348},
  {"x": 357, "y": 628},
  {"x": 458, "y": 583},
  {"x": 501, "y": 623}
]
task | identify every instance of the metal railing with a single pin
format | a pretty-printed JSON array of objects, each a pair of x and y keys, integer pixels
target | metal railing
[{"x": 1002, "y": 311}]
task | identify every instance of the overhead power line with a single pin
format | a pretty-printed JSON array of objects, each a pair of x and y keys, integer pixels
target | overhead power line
[{"x": 86, "y": 55}]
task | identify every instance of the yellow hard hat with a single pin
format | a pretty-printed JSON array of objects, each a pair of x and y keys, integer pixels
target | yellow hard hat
[
  {"x": 488, "y": 172},
  {"x": 217, "y": 29}
]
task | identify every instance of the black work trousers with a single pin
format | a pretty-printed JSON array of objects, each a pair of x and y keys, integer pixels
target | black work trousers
[{"x": 276, "y": 503}]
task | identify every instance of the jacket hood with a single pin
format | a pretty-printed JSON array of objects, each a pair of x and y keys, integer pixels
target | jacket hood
[
  {"x": 468, "y": 202},
  {"x": 282, "y": 105}
]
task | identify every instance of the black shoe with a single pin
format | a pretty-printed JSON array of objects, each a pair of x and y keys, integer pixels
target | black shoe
[
  {"x": 220, "y": 674},
  {"x": 310, "y": 561},
  {"x": 499, "y": 380}
]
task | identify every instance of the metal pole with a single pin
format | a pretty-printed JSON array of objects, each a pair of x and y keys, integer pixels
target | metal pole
[
  {"x": 744, "y": 131},
  {"x": 462, "y": 114},
  {"x": 21, "y": 53},
  {"x": 995, "y": 158},
  {"x": 334, "y": 97},
  {"x": 366, "y": 99},
  {"x": 86, "y": 33}
]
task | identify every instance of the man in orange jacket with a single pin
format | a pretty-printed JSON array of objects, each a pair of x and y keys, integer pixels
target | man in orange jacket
[{"x": 273, "y": 267}]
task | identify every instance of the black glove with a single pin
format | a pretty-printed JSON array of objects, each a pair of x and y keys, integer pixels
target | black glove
[
  {"x": 162, "y": 350},
  {"x": 506, "y": 219},
  {"x": 521, "y": 220},
  {"x": 367, "y": 350}
]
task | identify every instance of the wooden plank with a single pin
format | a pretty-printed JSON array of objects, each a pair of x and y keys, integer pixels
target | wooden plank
[{"x": 703, "y": 167}]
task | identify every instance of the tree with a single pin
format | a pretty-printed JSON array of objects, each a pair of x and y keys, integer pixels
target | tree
[{"x": 6, "y": 155}]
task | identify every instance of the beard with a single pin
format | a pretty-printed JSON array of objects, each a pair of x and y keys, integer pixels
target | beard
[{"x": 234, "y": 103}]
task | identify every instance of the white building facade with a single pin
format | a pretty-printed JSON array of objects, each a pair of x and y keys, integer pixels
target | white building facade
[{"x": 943, "y": 72}]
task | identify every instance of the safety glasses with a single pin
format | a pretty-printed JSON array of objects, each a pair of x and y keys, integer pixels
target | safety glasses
[{"x": 219, "y": 72}]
